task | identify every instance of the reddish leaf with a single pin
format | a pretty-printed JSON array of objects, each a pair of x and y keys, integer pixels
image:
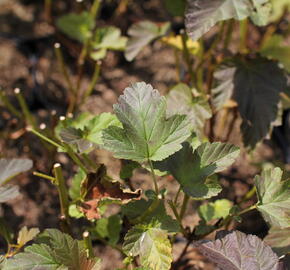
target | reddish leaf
[{"x": 98, "y": 188}]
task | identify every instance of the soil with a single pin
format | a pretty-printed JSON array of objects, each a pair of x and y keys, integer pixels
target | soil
[{"x": 27, "y": 61}]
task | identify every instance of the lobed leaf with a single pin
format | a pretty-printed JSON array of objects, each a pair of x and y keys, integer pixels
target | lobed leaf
[
  {"x": 255, "y": 85},
  {"x": 25, "y": 235},
  {"x": 151, "y": 244},
  {"x": 146, "y": 133},
  {"x": 238, "y": 251},
  {"x": 274, "y": 197},
  {"x": 141, "y": 34},
  {"x": 279, "y": 240},
  {"x": 192, "y": 168}
]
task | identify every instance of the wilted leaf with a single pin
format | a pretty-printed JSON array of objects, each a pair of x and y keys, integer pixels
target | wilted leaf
[
  {"x": 151, "y": 244},
  {"x": 238, "y": 251},
  {"x": 176, "y": 42},
  {"x": 180, "y": 100},
  {"x": 55, "y": 251},
  {"x": 141, "y": 34},
  {"x": 98, "y": 188},
  {"x": 274, "y": 48},
  {"x": 146, "y": 133},
  {"x": 76, "y": 26},
  {"x": 136, "y": 209},
  {"x": 255, "y": 85},
  {"x": 215, "y": 210},
  {"x": 109, "y": 228},
  {"x": 11, "y": 167},
  {"x": 279, "y": 240},
  {"x": 26, "y": 235},
  {"x": 192, "y": 169},
  {"x": 274, "y": 197},
  {"x": 8, "y": 192}
]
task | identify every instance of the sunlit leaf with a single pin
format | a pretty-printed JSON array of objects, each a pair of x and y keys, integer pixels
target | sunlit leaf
[
  {"x": 146, "y": 133},
  {"x": 26, "y": 235},
  {"x": 11, "y": 167},
  {"x": 273, "y": 48},
  {"x": 180, "y": 100},
  {"x": 141, "y": 34},
  {"x": 279, "y": 6},
  {"x": 8, "y": 192},
  {"x": 151, "y": 245},
  {"x": 274, "y": 197},
  {"x": 238, "y": 251},
  {"x": 255, "y": 85},
  {"x": 75, "y": 188},
  {"x": 279, "y": 240},
  {"x": 261, "y": 14},
  {"x": 76, "y": 26},
  {"x": 215, "y": 210},
  {"x": 192, "y": 168},
  {"x": 98, "y": 188}
]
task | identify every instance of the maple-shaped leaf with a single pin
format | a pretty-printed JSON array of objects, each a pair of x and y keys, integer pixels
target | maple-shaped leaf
[
  {"x": 237, "y": 251},
  {"x": 274, "y": 197},
  {"x": 255, "y": 85},
  {"x": 54, "y": 251},
  {"x": 180, "y": 100},
  {"x": 98, "y": 189},
  {"x": 146, "y": 134},
  {"x": 141, "y": 34},
  {"x": 279, "y": 240},
  {"x": 151, "y": 244},
  {"x": 192, "y": 168}
]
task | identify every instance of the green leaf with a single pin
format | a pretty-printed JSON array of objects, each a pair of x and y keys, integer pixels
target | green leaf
[
  {"x": 128, "y": 168},
  {"x": 279, "y": 6},
  {"x": 180, "y": 100},
  {"x": 192, "y": 169},
  {"x": 75, "y": 188},
  {"x": 175, "y": 7},
  {"x": 76, "y": 26},
  {"x": 255, "y": 85},
  {"x": 109, "y": 228},
  {"x": 273, "y": 48},
  {"x": 151, "y": 244},
  {"x": 215, "y": 210},
  {"x": 138, "y": 210},
  {"x": 279, "y": 240},
  {"x": 274, "y": 197},
  {"x": 12, "y": 167},
  {"x": 26, "y": 235},
  {"x": 146, "y": 133},
  {"x": 141, "y": 34},
  {"x": 235, "y": 250},
  {"x": 108, "y": 37},
  {"x": 202, "y": 15}
]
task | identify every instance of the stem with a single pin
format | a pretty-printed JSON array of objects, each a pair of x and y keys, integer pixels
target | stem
[
  {"x": 47, "y": 10},
  {"x": 90, "y": 162},
  {"x": 177, "y": 195},
  {"x": 184, "y": 205},
  {"x": 75, "y": 158},
  {"x": 149, "y": 210},
  {"x": 45, "y": 176},
  {"x": 247, "y": 210},
  {"x": 62, "y": 192},
  {"x": 94, "y": 80},
  {"x": 88, "y": 244},
  {"x": 153, "y": 177},
  {"x": 229, "y": 31},
  {"x": 186, "y": 55},
  {"x": 243, "y": 35},
  {"x": 24, "y": 107},
  {"x": 177, "y": 216},
  {"x": 9, "y": 105},
  {"x": 95, "y": 8}
]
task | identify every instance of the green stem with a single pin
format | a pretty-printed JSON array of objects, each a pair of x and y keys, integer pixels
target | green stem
[
  {"x": 247, "y": 210},
  {"x": 75, "y": 158},
  {"x": 95, "y": 8},
  {"x": 184, "y": 205},
  {"x": 62, "y": 192},
  {"x": 43, "y": 137},
  {"x": 243, "y": 35},
  {"x": 153, "y": 177},
  {"x": 229, "y": 32},
  {"x": 177, "y": 195},
  {"x": 24, "y": 107},
  {"x": 94, "y": 80},
  {"x": 177, "y": 216},
  {"x": 45, "y": 176},
  {"x": 9, "y": 105},
  {"x": 89, "y": 162},
  {"x": 88, "y": 244},
  {"x": 148, "y": 212}
]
